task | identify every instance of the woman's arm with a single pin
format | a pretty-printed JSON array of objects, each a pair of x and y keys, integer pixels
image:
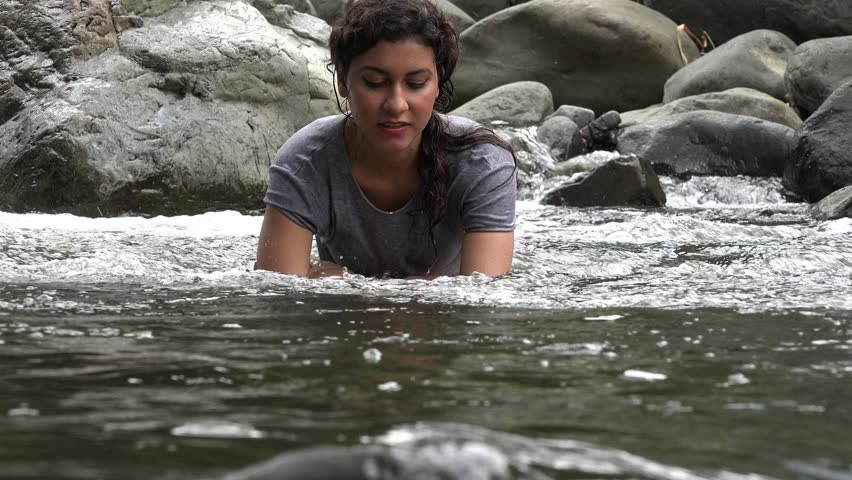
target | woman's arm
[
  {"x": 283, "y": 246},
  {"x": 487, "y": 252}
]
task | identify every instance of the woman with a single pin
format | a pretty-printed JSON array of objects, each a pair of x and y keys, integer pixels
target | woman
[{"x": 393, "y": 187}]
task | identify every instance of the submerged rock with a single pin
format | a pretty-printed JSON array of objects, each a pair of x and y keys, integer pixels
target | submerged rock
[
  {"x": 753, "y": 60},
  {"x": 183, "y": 117},
  {"x": 836, "y": 205},
  {"x": 816, "y": 69},
  {"x": 449, "y": 461},
  {"x": 598, "y": 54},
  {"x": 725, "y": 19},
  {"x": 518, "y": 104},
  {"x": 822, "y": 160},
  {"x": 738, "y": 101},
  {"x": 710, "y": 143},
  {"x": 621, "y": 182}
]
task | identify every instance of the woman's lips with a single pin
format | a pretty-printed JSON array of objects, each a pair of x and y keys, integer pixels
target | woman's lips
[{"x": 393, "y": 128}]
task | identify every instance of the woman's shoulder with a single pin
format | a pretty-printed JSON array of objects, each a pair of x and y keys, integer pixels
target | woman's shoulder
[
  {"x": 304, "y": 145},
  {"x": 480, "y": 155}
]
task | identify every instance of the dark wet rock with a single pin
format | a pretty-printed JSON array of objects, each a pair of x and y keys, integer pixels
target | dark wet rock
[
  {"x": 460, "y": 19},
  {"x": 816, "y": 69},
  {"x": 753, "y": 60},
  {"x": 320, "y": 463},
  {"x": 710, "y": 143},
  {"x": 39, "y": 39},
  {"x": 738, "y": 101},
  {"x": 479, "y": 9},
  {"x": 579, "y": 115},
  {"x": 836, "y": 205},
  {"x": 518, "y": 104},
  {"x": 11, "y": 96},
  {"x": 280, "y": 13},
  {"x": 183, "y": 117},
  {"x": 532, "y": 157},
  {"x": 562, "y": 136},
  {"x": 822, "y": 159},
  {"x": 627, "y": 181},
  {"x": 451, "y": 461},
  {"x": 725, "y": 19},
  {"x": 333, "y": 10},
  {"x": 330, "y": 10},
  {"x": 602, "y": 132},
  {"x": 598, "y": 54},
  {"x": 580, "y": 164}
]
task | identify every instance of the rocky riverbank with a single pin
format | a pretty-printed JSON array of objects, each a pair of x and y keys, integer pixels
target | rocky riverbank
[{"x": 110, "y": 107}]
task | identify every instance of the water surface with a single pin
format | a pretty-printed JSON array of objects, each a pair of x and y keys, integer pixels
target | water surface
[{"x": 710, "y": 339}]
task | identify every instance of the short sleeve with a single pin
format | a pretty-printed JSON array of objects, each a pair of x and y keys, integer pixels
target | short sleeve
[
  {"x": 293, "y": 188},
  {"x": 489, "y": 201}
]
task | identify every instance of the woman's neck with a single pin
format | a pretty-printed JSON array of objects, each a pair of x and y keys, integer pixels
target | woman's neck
[
  {"x": 388, "y": 179},
  {"x": 368, "y": 158}
]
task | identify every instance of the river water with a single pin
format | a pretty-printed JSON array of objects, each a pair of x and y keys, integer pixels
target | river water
[{"x": 709, "y": 339}]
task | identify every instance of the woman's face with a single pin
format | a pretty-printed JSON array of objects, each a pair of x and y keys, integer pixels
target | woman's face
[{"x": 391, "y": 89}]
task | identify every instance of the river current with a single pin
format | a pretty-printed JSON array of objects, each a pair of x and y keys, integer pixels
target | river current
[{"x": 708, "y": 339}]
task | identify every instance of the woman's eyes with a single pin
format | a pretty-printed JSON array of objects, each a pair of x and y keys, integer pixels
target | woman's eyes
[{"x": 413, "y": 85}]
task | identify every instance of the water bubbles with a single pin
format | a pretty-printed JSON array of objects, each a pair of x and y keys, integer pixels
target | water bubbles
[
  {"x": 643, "y": 376},
  {"x": 23, "y": 410},
  {"x": 372, "y": 355},
  {"x": 604, "y": 318},
  {"x": 735, "y": 379},
  {"x": 389, "y": 387},
  {"x": 216, "y": 429}
]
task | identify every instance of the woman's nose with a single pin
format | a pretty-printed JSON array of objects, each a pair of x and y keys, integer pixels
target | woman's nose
[{"x": 396, "y": 101}]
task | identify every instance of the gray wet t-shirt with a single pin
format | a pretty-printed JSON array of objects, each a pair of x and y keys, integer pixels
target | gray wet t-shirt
[{"x": 311, "y": 182}]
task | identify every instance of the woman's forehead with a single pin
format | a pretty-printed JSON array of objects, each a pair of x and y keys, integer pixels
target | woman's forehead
[{"x": 404, "y": 56}]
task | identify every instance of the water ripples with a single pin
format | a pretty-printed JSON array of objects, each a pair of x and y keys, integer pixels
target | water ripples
[{"x": 761, "y": 255}]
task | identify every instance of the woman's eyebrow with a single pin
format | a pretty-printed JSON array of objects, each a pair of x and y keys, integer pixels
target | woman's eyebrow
[{"x": 408, "y": 74}]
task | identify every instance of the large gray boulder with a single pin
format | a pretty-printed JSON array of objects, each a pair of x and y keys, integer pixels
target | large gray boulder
[
  {"x": 460, "y": 19},
  {"x": 725, "y": 19},
  {"x": 333, "y": 10},
  {"x": 183, "y": 117},
  {"x": 822, "y": 160},
  {"x": 753, "y": 60},
  {"x": 144, "y": 8},
  {"x": 739, "y": 101},
  {"x": 39, "y": 40},
  {"x": 518, "y": 104},
  {"x": 599, "y": 54},
  {"x": 816, "y": 69},
  {"x": 621, "y": 182},
  {"x": 479, "y": 9},
  {"x": 710, "y": 143}
]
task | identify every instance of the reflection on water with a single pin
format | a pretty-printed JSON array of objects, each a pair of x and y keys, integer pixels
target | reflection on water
[{"x": 710, "y": 339}]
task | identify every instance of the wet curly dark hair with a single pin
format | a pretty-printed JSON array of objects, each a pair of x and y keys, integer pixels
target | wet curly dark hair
[{"x": 366, "y": 23}]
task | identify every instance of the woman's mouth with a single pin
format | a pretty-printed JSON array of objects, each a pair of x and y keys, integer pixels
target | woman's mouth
[{"x": 393, "y": 128}]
